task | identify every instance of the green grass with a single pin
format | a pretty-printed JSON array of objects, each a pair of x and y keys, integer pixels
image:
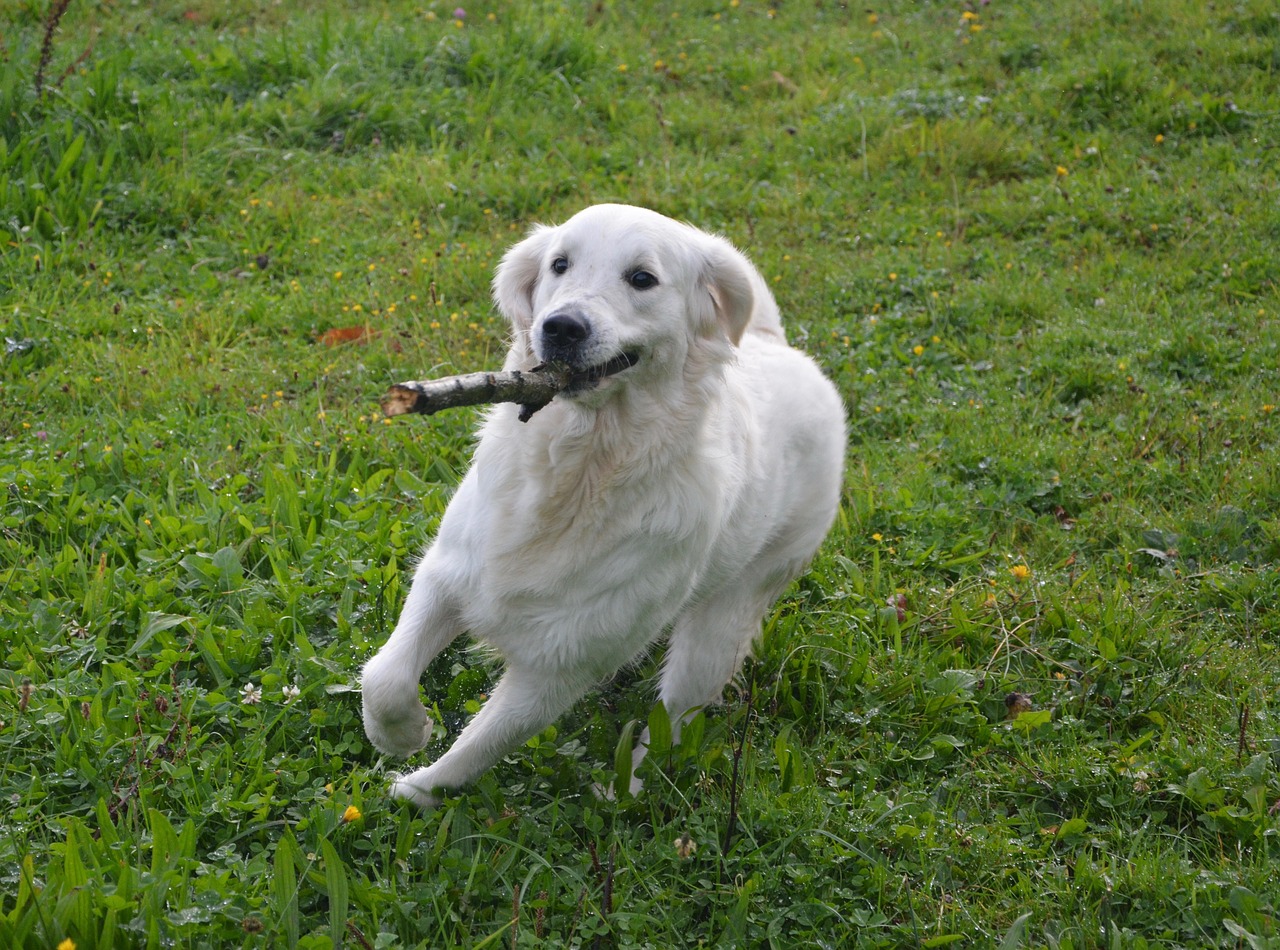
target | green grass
[{"x": 1036, "y": 246}]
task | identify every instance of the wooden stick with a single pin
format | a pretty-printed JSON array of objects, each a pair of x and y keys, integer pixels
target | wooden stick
[{"x": 532, "y": 389}]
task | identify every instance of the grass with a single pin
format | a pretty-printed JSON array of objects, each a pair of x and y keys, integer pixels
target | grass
[{"x": 1035, "y": 245}]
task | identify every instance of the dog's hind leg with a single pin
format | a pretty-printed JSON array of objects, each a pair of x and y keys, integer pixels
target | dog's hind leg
[
  {"x": 710, "y": 641},
  {"x": 708, "y": 645},
  {"x": 394, "y": 718},
  {"x": 523, "y": 703}
]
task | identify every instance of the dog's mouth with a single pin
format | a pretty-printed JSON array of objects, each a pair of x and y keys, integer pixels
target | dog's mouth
[
  {"x": 587, "y": 378},
  {"x": 571, "y": 381}
]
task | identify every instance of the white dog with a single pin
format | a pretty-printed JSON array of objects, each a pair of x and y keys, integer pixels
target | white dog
[{"x": 679, "y": 487}]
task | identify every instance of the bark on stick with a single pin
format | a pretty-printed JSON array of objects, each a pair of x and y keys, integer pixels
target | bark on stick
[{"x": 532, "y": 390}]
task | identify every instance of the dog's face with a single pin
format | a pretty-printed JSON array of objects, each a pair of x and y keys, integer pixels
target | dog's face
[{"x": 622, "y": 294}]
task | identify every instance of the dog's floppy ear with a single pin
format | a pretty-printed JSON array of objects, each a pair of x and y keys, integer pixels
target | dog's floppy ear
[
  {"x": 734, "y": 285},
  {"x": 517, "y": 277}
]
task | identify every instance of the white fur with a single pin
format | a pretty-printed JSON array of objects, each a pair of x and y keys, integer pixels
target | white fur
[{"x": 681, "y": 495}]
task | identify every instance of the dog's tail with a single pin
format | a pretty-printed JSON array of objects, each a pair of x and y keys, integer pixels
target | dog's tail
[{"x": 766, "y": 320}]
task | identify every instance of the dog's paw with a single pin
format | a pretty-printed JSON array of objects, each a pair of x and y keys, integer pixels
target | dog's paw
[
  {"x": 401, "y": 733},
  {"x": 407, "y": 787},
  {"x": 607, "y": 793}
]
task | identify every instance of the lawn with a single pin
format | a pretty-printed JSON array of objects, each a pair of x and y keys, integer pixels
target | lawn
[{"x": 1029, "y": 694}]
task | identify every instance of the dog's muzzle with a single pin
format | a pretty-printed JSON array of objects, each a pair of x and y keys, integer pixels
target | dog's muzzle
[
  {"x": 588, "y": 377},
  {"x": 566, "y": 337}
]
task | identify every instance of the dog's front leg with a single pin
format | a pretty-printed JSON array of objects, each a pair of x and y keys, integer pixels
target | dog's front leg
[
  {"x": 523, "y": 703},
  {"x": 394, "y": 718}
]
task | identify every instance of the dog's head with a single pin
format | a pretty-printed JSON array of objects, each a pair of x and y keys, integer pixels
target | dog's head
[{"x": 622, "y": 293}]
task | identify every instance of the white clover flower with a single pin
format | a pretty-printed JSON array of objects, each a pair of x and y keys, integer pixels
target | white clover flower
[
  {"x": 251, "y": 695},
  {"x": 685, "y": 847},
  {"x": 291, "y": 692}
]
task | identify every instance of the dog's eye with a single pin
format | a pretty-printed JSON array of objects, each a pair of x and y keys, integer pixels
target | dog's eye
[
  {"x": 559, "y": 265},
  {"x": 642, "y": 280}
]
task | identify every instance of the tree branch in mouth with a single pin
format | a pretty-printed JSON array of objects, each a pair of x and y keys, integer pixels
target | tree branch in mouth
[{"x": 532, "y": 389}]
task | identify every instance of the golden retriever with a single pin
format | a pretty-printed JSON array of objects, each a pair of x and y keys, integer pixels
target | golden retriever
[{"x": 678, "y": 487}]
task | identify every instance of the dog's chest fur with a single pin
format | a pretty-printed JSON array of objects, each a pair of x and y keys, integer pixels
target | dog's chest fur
[{"x": 565, "y": 510}]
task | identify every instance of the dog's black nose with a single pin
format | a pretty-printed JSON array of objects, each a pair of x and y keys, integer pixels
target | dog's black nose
[{"x": 562, "y": 331}]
